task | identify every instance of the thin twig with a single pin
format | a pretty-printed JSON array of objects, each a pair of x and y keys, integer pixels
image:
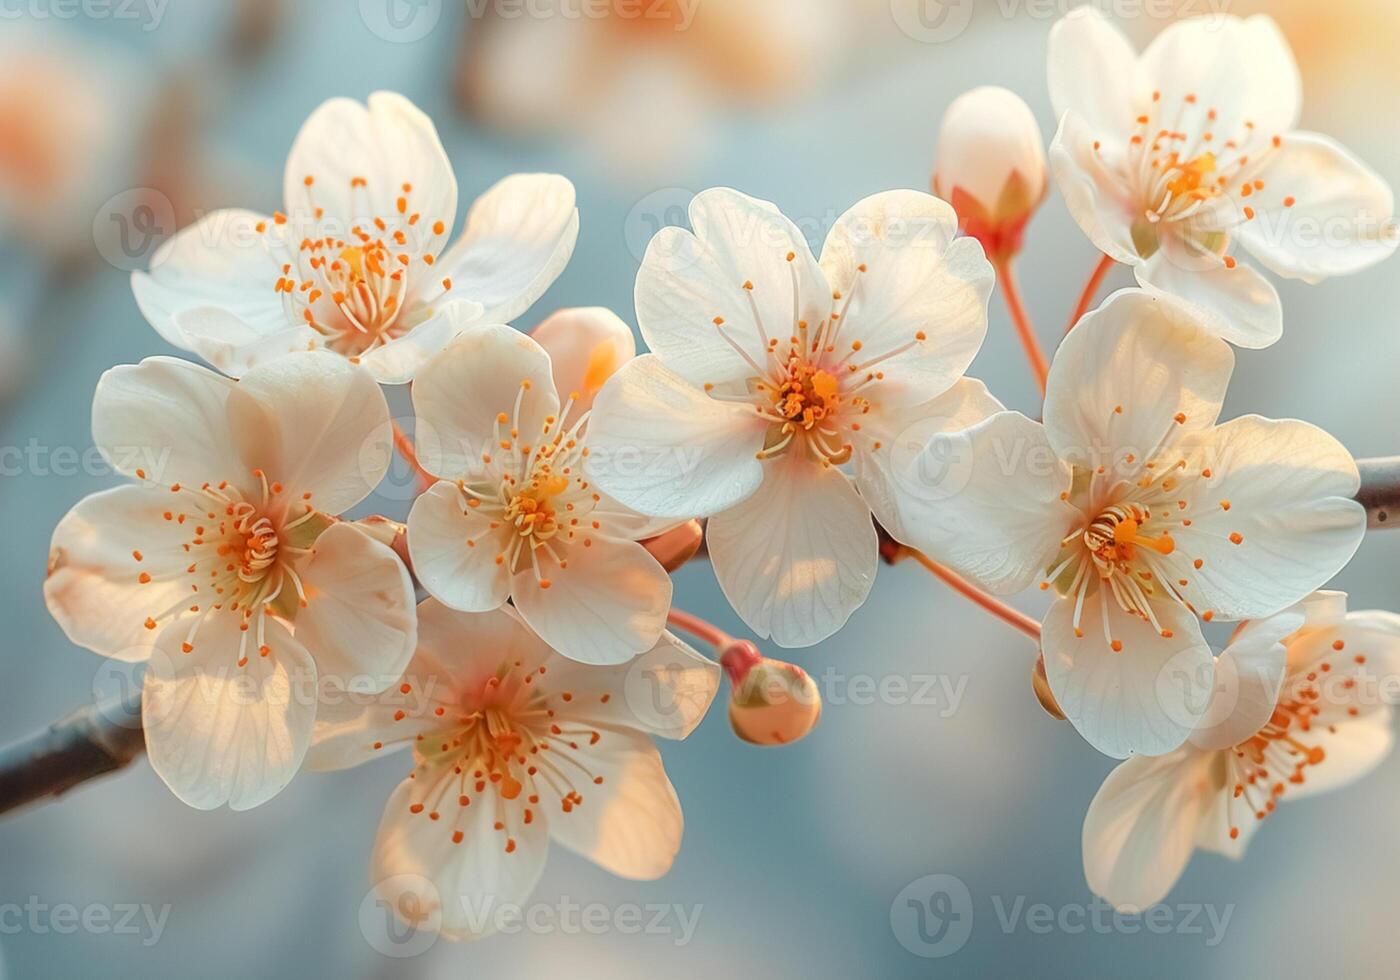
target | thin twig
[
  {"x": 404, "y": 444},
  {"x": 1091, "y": 289},
  {"x": 1035, "y": 354}
]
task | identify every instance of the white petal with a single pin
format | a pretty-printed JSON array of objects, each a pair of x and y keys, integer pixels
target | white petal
[
  {"x": 217, "y": 732},
  {"x": 1340, "y": 215},
  {"x": 1143, "y": 354},
  {"x": 460, "y": 396},
  {"x": 895, "y": 258},
  {"x": 228, "y": 343},
  {"x": 93, "y": 588},
  {"x": 1288, "y": 486},
  {"x": 165, "y": 418},
  {"x": 360, "y": 621},
  {"x": 688, "y": 280},
  {"x": 1238, "y": 305},
  {"x": 895, "y": 435},
  {"x": 460, "y": 574},
  {"x": 317, "y": 424},
  {"x": 1351, "y": 749},
  {"x": 631, "y": 824},
  {"x": 665, "y": 691},
  {"x": 388, "y": 143},
  {"x": 1143, "y": 699},
  {"x": 987, "y": 501},
  {"x": 1141, "y": 827},
  {"x": 608, "y": 605},
  {"x": 519, "y": 236},
  {"x": 1239, "y": 69},
  {"x": 1092, "y": 70},
  {"x": 1098, "y": 199},
  {"x": 462, "y": 888},
  {"x": 661, "y": 446},
  {"x": 1248, "y": 678},
  {"x": 586, "y": 347},
  {"x": 400, "y": 360},
  {"x": 797, "y": 557},
  {"x": 220, "y": 263}
]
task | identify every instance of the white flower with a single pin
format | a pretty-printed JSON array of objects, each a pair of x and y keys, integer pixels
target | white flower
[
  {"x": 1169, "y": 159},
  {"x": 1298, "y": 711},
  {"x": 768, "y": 371},
  {"x": 1141, "y": 512},
  {"x": 225, "y": 565},
  {"x": 357, "y": 263},
  {"x": 991, "y": 166},
  {"x": 512, "y": 745},
  {"x": 513, "y": 516}
]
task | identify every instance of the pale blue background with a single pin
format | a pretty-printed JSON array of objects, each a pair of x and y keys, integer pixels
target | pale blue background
[{"x": 794, "y": 854}]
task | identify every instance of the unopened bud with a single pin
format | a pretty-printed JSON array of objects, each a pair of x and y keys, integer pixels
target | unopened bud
[
  {"x": 991, "y": 167},
  {"x": 773, "y": 703},
  {"x": 677, "y": 546},
  {"x": 586, "y": 346}
]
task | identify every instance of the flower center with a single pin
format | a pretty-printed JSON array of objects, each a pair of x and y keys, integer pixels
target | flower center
[
  {"x": 815, "y": 392},
  {"x": 354, "y": 287},
  {"x": 1178, "y": 166},
  {"x": 541, "y": 502},
  {"x": 499, "y": 743},
  {"x": 244, "y": 551}
]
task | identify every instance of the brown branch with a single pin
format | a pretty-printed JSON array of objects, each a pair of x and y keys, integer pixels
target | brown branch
[
  {"x": 105, "y": 737},
  {"x": 1380, "y": 491},
  {"x": 98, "y": 739}
]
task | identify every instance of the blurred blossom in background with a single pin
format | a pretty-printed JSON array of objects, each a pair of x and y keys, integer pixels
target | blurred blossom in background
[{"x": 932, "y": 821}]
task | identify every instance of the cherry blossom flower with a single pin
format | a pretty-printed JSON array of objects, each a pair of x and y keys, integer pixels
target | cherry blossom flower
[
  {"x": 1297, "y": 710},
  {"x": 1170, "y": 159},
  {"x": 1138, "y": 512},
  {"x": 514, "y": 744},
  {"x": 225, "y": 566},
  {"x": 769, "y": 372},
  {"x": 513, "y": 515},
  {"x": 357, "y": 264}
]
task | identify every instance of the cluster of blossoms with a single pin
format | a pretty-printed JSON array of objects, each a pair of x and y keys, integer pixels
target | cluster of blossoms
[{"x": 800, "y": 405}]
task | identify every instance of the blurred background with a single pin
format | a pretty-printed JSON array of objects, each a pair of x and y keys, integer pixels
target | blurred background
[{"x": 123, "y": 119}]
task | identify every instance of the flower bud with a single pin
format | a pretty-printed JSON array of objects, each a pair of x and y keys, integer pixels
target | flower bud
[
  {"x": 586, "y": 346},
  {"x": 675, "y": 547},
  {"x": 991, "y": 167},
  {"x": 773, "y": 703}
]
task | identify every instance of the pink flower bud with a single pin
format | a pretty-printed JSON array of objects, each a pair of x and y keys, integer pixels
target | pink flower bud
[{"x": 991, "y": 167}]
